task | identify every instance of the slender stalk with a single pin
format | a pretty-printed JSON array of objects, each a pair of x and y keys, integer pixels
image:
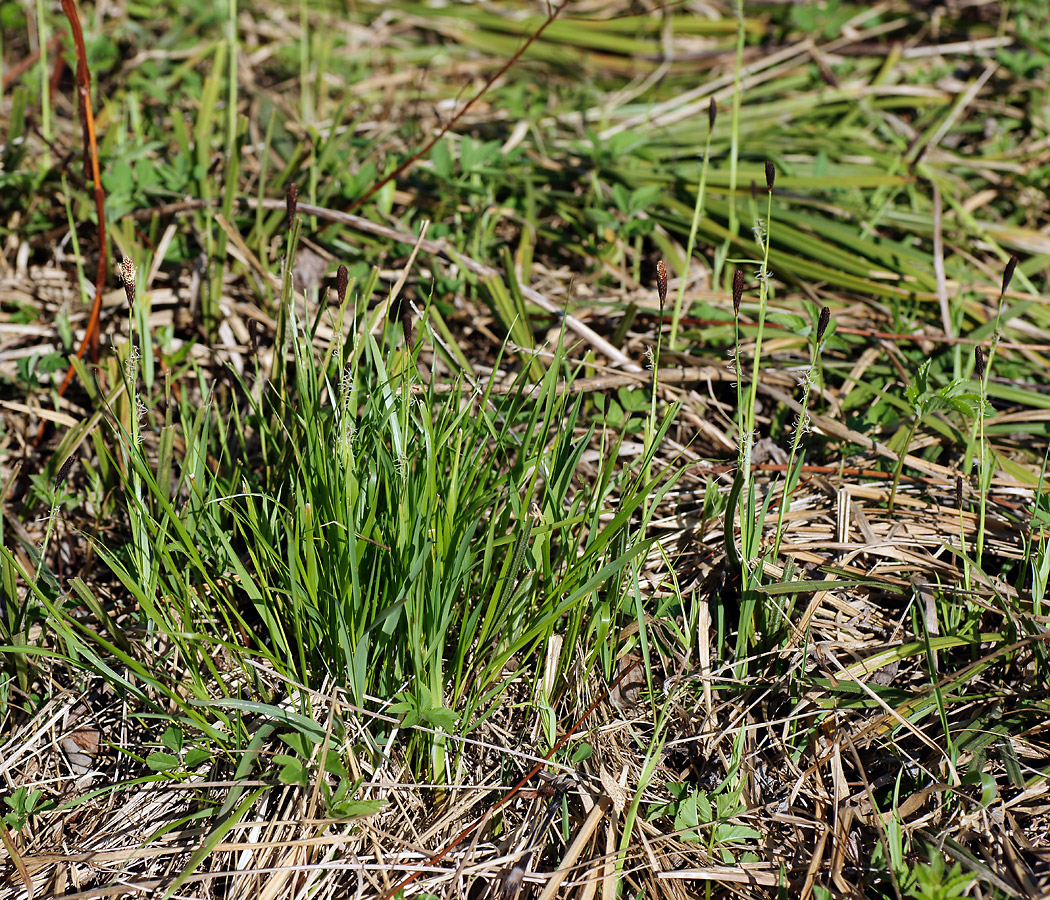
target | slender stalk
[
  {"x": 698, "y": 210},
  {"x": 306, "y": 105},
  {"x": 738, "y": 293},
  {"x": 45, "y": 87},
  {"x": 900, "y": 461},
  {"x": 651, "y": 425},
  {"x": 763, "y": 295},
  {"x": 801, "y": 427},
  {"x": 747, "y": 521},
  {"x": 984, "y": 468},
  {"x": 734, "y": 143},
  {"x": 983, "y": 370}
]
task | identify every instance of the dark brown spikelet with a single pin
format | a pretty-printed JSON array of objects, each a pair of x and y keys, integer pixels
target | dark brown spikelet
[
  {"x": 1009, "y": 273},
  {"x": 958, "y": 491},
  {"x": 406, "y": 323},
  {"x": 771, "y": 175},
  {"x": 823, "y": 323},
  {"x": 253, "y": 336},
  {"x": 127, "y": 277},
  {"x": 978, "y": 362},
  {"x": 63, "y": 472},
  {"x": 342, "y": 279},
  {"x": 738, "y": 291},
  {"x": 291, "y": 201},
  {"x": 661, "y": 282},
  {"x": 712, "y": 111}
]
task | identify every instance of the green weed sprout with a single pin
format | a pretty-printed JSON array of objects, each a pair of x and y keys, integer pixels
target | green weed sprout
[{"x": 924, "y": 401}]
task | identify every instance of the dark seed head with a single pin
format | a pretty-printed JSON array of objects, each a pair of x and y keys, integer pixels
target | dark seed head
[
  {"x": 978, "y": 362},
  {"x": 661, "y": 282},
  {"x": 712, "y": 111},
  {"x": 406, "y": 324},
  {"x": 253, "y": 336},
  {"x": 342, "y": 279},
  {"x": 291, "y": 201},
  {"x": 822, "y": 324},
  {"x": 127, "y": 276},
  {"x": 958, "y": 491},
  {"x": 1009, "y": 273},
  {"x": 771, "y": 175},
  {"x": 738, "y": 291},
  {"x": 63, "y": 472}
]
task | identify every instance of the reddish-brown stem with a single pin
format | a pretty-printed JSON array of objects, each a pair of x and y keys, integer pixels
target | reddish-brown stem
[{"x": 87, "y": 118}]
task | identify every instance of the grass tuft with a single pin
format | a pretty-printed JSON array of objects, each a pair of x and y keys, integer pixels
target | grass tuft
[{"x": 429, "y": 580}]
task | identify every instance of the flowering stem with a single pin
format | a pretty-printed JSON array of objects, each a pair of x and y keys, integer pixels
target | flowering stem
[
  {"x": 747, "y": 522},
  {"x": 791, "y": 475},
  {"x": 900, "y": 461}
]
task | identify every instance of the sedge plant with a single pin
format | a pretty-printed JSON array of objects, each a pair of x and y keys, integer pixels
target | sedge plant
[
  {"x": 794, "y": 470},
  {"x": 982, "y": 369}
]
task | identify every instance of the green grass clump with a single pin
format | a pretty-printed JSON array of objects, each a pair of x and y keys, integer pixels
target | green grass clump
[
  {"x": 348, "y": 524},
  {"x": 314, "y": 559}
]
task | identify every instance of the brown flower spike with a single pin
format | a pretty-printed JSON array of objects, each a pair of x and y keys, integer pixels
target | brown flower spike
[
  {"x": 661, "y": 282},
  {"x": 738, "y": 291},
  {"x": 1009, "y": 273},
  {"x": 822, "y": 324},
  {"x": 712, "y": 111},
  {"x": 406, "y": 323},
  {"x": 127, "y": 277},
  {"x": 978, "y": 362},
  {"x": 771, "y": 176},
  {"x": 63, "y": 473},
  {"x": 342, "y": 279},
  {"x": 291, "y": 201}
]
